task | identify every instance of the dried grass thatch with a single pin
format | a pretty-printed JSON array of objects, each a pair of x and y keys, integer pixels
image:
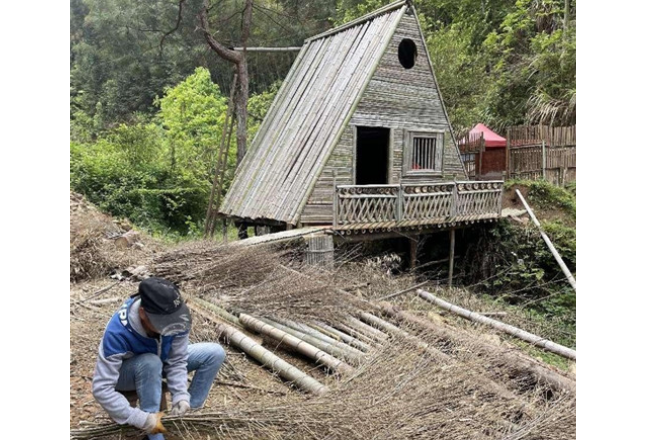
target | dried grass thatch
[
  {"x": 428, "y": 381},
  {"x": 92, "y": 249}
]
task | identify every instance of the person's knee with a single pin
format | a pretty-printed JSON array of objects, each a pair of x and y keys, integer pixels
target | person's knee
[
  {"x": 216, "y": 353},
  {"x": 149, "y": 363}
]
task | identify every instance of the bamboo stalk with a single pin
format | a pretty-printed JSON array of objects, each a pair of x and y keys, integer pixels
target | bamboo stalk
[
  {"x": 268, "y": 359},
  {"x": 356, "y": 334},
  {"x": 396, "y": 331},
  {"x": 506, "y": 328},
  {"x": 345, "y": 337},
  {"x": 547, "y": 240},
  {"x": 511, "y": 361},
  {"x": 295, "y": 343},
  {"x": 401, "y": 292},
  {"x": 217, "y": 310},
  {"x": 371, "y": 332},
  {"x": 352, "y": 355},
  {"x": 304, "y": 328}
]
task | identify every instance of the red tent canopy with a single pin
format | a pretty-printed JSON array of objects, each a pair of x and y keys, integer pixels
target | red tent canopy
[{"x": 492, "y": 139}]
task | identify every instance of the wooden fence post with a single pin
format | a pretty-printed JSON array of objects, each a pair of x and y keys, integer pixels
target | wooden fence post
[
  {"x": 508, "y": 155},
  {"x": 544, "y": 159}
]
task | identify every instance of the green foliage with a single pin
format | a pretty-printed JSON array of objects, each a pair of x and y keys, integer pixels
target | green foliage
[
  {"x": 157, "y": 170},
  {"x": 258, "y": 106},
  {"x": 461, "y": 74},
  {"x": 518, "y": 267},
  {"x": 548, "y": 196},
  {"x": 192, "y": 114},
  {"x": 534, "y": 66}
]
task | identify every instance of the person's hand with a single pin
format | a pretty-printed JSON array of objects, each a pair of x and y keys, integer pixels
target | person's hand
[
  {"x": 153, "y": 424},
  {"x": 180, "y": 408}
]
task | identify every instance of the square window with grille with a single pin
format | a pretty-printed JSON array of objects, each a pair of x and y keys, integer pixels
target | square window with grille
[
  {"x": 424, "y": 153},
  {"x": 424, "y": 149}
]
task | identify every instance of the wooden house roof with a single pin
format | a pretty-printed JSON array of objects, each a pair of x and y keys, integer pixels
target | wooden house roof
[{"x": 307, "y": 117}]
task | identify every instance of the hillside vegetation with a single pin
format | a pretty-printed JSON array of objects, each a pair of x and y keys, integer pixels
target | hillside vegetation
[{"x": 148, "y": 99}]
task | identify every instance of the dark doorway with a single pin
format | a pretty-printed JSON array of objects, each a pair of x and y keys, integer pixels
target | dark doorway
[{"x": 372, "y": 155}]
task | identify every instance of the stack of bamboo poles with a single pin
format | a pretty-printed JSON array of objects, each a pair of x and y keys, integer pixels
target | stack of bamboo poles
[{"x": 393, "y": 358}]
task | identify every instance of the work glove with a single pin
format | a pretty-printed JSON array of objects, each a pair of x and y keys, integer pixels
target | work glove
[
  {"x": 180, "y": 408},
  {"x": 153, "y": 424}
]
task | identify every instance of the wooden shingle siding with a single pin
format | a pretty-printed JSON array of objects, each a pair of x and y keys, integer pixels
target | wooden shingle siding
[
  {"x": 319, "y": 204},
  {"x": 397, "y": 98},
  {"x": 305, "y": 122},
  {"x": 408, "y": 99},
  {"x": 346, "y": 77}
]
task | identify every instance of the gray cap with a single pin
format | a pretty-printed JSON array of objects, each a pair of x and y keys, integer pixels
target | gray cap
[{"x": 164, "y": 306}]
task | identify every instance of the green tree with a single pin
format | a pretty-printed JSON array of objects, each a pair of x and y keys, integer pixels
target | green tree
[{"x": 192, "y": 114}]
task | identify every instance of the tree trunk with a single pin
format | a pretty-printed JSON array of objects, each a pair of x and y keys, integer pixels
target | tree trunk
[
  {"x": 242, "y": 99},
  {"x": 240, "y": 60}
]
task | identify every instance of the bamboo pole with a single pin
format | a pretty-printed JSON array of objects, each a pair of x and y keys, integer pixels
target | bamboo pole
[
  {"x": 506, "y": 328},
  {"x": 334, "y": 349},
  {"x": 401, "y": 292},
  {"x": 357, "y": 334},
  {"x": 512, "y": 361},
  {"x": 354, "y": 342},
  {"x": 217, "y": 310},
  {"x": 269, "y": 49},
  {"x": 295, "y": 343},
  {"x": 547, "y": 240},
  {"x": 396, "y": 331},
  {"x": 321, "y": 335},
  {"x": 367, "y": 330},
  {"x": 269, "y": 360}
]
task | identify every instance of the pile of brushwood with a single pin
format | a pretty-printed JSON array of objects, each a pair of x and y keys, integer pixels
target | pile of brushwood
[{"x": 428, "y": 377}]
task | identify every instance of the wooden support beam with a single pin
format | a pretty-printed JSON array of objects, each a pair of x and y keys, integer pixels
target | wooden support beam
[
  {"x": 413, "y": 241},
  {"x": 269, "y": 49},
  {"x": 451, "y": 256}
]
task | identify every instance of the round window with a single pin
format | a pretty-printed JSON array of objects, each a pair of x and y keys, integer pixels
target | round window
[{"x": 407, "y": 53}]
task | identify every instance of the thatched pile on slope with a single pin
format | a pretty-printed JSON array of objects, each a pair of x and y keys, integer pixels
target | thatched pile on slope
[{"x": 92, "y": 242}]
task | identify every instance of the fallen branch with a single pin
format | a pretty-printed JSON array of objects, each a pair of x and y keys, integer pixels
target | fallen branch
[{"x": 94, "y": 295}]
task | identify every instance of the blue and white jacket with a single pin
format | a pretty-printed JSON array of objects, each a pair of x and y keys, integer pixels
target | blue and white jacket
[{"x": 125, "y": 337}]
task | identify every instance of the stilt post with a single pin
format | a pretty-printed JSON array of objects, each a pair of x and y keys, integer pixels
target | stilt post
[{"x": 451, "y": 256}]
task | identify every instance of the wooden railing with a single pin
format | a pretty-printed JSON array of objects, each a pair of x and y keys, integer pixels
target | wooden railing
[{"x": 418, "y": 204}]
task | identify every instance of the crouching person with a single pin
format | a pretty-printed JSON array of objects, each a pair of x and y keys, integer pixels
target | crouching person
[{"x": 145, "y": 341}]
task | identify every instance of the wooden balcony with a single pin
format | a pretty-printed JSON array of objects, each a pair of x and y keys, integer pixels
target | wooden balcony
[{"x": 400, "y": 206}]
